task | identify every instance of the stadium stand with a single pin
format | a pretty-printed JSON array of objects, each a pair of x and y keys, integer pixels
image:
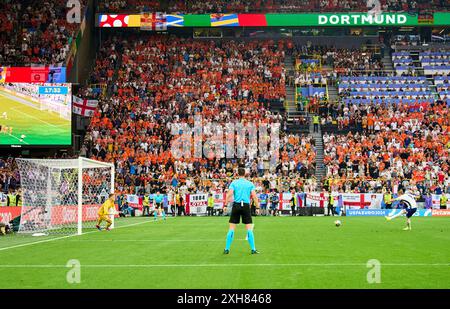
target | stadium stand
[
  {"x": 163, "y": 80},
  {"x": 385, "y": 90},
  {"x": 435, "y": 62},
  {"x": 9, "y": 31},
  {"x": 403, "y": 63},
  {"x": 9, "y": 175},
  {"x": 401, "y": 126},
  {"x": 41, "y": 35},
  {"x": 443, "y": 87},
  {"x": 398, "y": 141}
]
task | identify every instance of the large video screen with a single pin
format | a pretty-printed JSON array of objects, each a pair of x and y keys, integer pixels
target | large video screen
[{"x": 35, "y": 114}]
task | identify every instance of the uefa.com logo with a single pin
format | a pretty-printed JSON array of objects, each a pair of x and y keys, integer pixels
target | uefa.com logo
[{"x": 230, "y": 140}]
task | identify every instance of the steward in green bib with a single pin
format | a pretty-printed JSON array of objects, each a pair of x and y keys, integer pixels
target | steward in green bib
[
  {"x": 443, "y": 201},
  {"x": 146, "y": 205},
  {"x": 388, "y": 200},
  {"x": 210, "y": 207},
  {"x": 316, "y": 123},
  {"x": 11, "y": 199},
  {"x": 330, "y": 204}
]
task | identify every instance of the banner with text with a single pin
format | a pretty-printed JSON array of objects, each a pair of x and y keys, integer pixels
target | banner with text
[
  {"x": 312, "y": 91},
  {"x": 44, "y": 74},
  {"x": 349, "y": 200},
  {"x": 385, "y": 212},
  {"x": 60, "y": 215},
  {"x": 162, "y": 21},
  {"x": 440, "y": 212},
  {"x": 9, "y": 213},
  {"x": 197, "y": 203}
]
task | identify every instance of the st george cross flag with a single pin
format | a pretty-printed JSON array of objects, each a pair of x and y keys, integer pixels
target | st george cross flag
[
  {"x": 153, "y": 21},
  {"x": 84, "y": 107}
]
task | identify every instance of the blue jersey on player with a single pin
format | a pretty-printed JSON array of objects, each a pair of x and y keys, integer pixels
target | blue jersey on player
[
  {"x": 159, "y": 198},
  {"x": 242, "y": 190},
  {"x": 263, "y": 199}
]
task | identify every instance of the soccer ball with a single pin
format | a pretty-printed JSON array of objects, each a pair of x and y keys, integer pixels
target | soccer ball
[{"x": 337, "y": 223}]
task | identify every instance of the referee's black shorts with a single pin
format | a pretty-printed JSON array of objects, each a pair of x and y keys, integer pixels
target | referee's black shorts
[{"x": 239, "y": 211}]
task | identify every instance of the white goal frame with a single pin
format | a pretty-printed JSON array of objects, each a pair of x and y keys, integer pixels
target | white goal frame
[
  {"x": 50, "y": 183},
  {"x": 80, "y": 189}
]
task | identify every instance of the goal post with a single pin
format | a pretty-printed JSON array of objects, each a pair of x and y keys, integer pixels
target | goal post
[{"x": 63, "y": 195}]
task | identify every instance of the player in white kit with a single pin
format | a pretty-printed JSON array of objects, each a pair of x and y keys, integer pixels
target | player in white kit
[{"x": 408, "y": 205}]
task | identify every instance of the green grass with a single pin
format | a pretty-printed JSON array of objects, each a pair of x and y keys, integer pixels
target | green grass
[
  {"x": 298, "y": 252},
  {"x": 39, "y": 127}
]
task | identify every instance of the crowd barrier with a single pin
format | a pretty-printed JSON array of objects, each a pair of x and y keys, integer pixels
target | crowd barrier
[
  {"x": 9, "y": 213},
  {"x": 60, "y": 215},
  {"x": 306, "y": 203},
  {"x": 386, "y": 212}
]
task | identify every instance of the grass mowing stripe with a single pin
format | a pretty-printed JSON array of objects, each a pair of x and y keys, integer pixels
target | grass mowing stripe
[
  {"x": 38, "y": 242},
  {"x": 298, "y": 252},
  {"x": 150, "y": 240},
  {"x": 29, "y": 116}
]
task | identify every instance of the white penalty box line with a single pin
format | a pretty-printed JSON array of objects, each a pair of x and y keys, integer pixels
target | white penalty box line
[{"x": 151, "y": 240}]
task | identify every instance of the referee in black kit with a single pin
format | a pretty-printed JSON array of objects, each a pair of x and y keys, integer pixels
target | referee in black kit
[{"x": 241, "y": 191}]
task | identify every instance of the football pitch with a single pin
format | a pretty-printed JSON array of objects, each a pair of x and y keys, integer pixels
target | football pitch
[
  {"x": 187, "y": 253},
  {"x": 39, "y": 127}
]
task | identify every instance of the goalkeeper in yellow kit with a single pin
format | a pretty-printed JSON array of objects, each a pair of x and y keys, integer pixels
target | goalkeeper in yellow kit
[{"x": 104, "y": 212}]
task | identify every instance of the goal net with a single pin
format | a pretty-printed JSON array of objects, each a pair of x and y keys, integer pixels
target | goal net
[
  {"x": 63, "y": 195},
  {"x": 56, "y": 105}
]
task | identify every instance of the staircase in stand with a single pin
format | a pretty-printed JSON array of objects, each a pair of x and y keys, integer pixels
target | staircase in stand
[
  {"x": 318, "y": 139},
  {"x": 294, "y": 114}
]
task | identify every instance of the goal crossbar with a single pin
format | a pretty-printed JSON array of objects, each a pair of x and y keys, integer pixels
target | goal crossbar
[{"x": 68, "y": 163}]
